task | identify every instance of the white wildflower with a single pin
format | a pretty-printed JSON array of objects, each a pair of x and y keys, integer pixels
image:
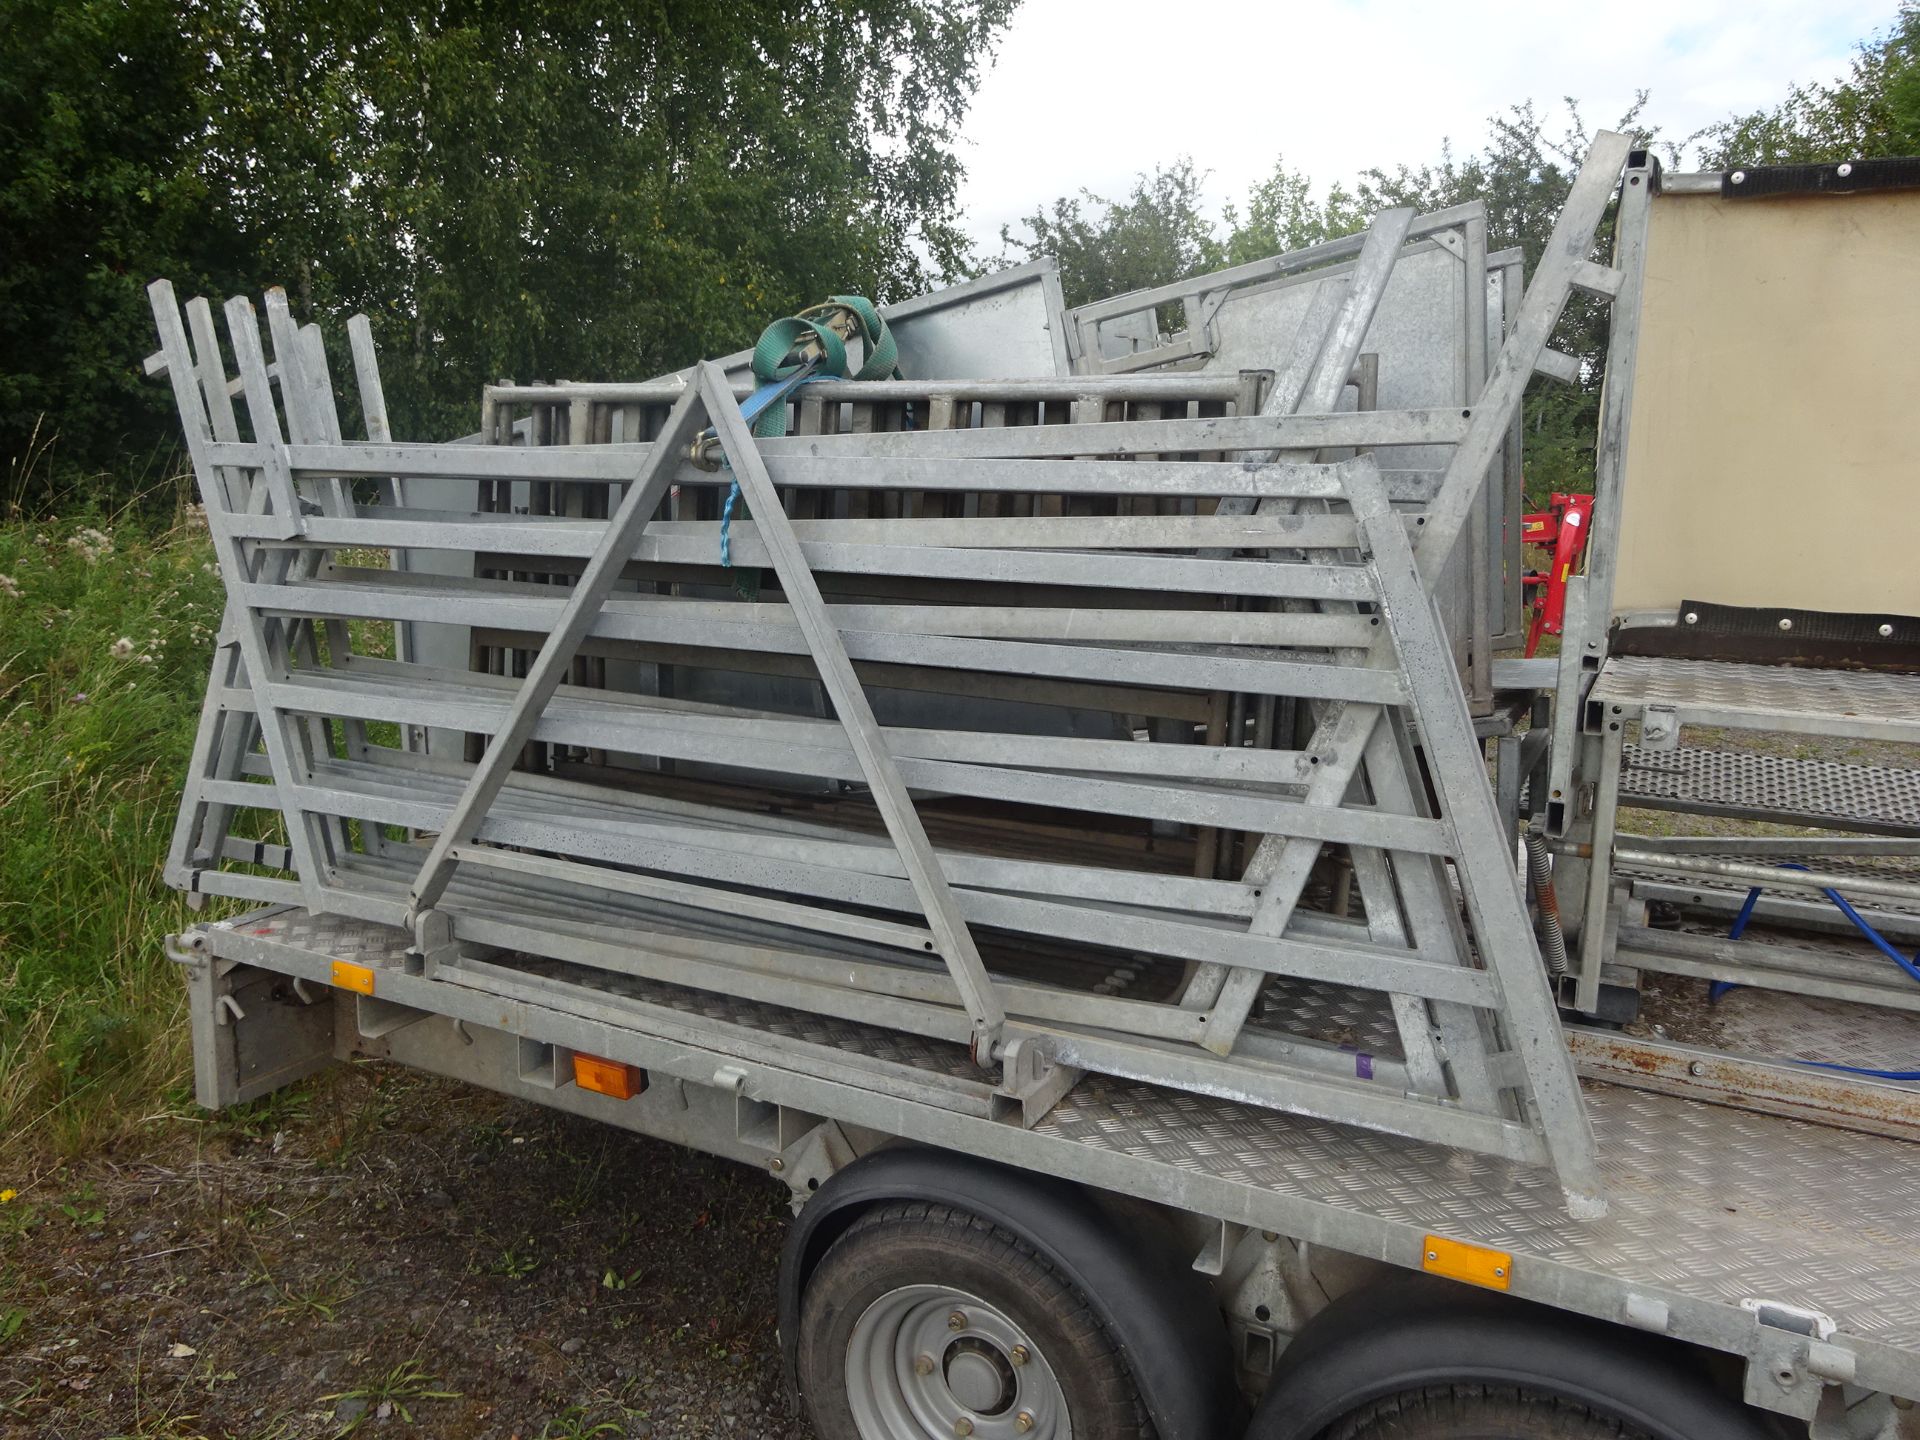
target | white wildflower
[
  {"x": 91, "y": 544},
  {"x": 121, "y": 648},
  {"x": 9, "y": 587}
]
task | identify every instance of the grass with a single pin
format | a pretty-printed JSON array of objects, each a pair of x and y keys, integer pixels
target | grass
[{"x": 106, "y": 627}]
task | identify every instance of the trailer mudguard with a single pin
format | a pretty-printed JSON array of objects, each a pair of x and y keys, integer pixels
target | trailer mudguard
[
  {"x": 1413, "y": 1331},
  {"x": 1160, "y": 1312}
]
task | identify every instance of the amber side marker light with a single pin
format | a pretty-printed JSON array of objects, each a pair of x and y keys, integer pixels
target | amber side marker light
[
  {"x": 349, "y": 976},
  {"x": 1475, "y": 1264},
  {"x": 608, "y": 1077}
]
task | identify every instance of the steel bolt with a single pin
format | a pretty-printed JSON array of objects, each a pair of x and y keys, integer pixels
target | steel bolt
[
  {"x": 963, "y": 1426},
  {"x": 923, "y": 1364},
  {"x": 1845, "y": 170},
  {"x": 1023, "y": 1422},
  {"x": 957, "y": 1321},
  {"x": 1696, "y": 1068},
  {"x": 1739, "y": 177},
  {"x": 1885, "y": 631},
  {"x": 776, "y": 1164},
  {"x": 1786, "y": 624},
  {"x": 1693, "y": 617},
  {"x": 1018, "y": 1354}
]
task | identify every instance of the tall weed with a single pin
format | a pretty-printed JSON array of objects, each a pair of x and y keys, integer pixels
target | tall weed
[{"x": 106, "y": 628}]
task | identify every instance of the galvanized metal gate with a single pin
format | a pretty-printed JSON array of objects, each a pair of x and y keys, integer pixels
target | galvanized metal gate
[{"x": 1179, "y": 554}]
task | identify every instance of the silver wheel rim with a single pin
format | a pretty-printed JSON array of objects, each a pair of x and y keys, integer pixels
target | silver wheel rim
[{"x": 928, "y": 1362}]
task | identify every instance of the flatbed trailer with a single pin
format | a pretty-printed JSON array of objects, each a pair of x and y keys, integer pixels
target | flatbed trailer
[
  {"x": 1788, "y": 1248},
  {"x": 1264, "y": 1105}
]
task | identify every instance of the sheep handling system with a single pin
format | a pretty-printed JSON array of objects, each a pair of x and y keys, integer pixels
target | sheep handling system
[{"x": 1072, "y": 782}]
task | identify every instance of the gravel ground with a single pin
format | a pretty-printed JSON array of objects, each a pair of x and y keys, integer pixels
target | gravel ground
[{"x": 386, "y": 1254}]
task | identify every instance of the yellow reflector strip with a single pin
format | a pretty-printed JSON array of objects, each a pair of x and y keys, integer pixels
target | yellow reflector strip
[
  {"x": 608, "y": 1077},
  {"x": 1475, "y": 1264},
  {"x": 357, "y": 978}
]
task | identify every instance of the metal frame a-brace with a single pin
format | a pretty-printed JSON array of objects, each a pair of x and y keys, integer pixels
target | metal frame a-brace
[{"x": 711, "y": 402}]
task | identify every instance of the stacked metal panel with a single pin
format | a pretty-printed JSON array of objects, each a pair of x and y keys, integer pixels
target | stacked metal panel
[
  {"x": 1439, "y": 323},
  {"x": 1080, "y": 722}
]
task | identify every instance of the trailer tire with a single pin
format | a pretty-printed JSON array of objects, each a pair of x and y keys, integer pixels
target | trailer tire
[
  {"x": 1414, "y": 1336},
  {"x": 1480, "y": 1412},
  {"x": 922, "y": 1315}
]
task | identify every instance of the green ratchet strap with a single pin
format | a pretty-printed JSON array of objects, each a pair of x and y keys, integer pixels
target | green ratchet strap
[
  {"x": 791, "y": 352},
  {"x": 816, "y": 339}
]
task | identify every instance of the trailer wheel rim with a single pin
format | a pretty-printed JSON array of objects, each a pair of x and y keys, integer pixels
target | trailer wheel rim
[{"x": 935, "y": 1362}]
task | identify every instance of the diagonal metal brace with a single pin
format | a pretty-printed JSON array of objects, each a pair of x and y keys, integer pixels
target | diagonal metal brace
[
  {"x": 644, "y": 494},
  {"x": 950, "y": 933},
  {"x": 1491, "y": 888},
  {"x": 1563, "y": 268}
]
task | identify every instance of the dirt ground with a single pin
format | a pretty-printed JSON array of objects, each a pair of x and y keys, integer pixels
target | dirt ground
[{"x": 384, "y": 1254}]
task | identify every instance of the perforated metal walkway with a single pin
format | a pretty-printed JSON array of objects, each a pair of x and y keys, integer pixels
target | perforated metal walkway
[
  {"x": 1766, "y": 697},
  {"x": 1875, "y": 798}
]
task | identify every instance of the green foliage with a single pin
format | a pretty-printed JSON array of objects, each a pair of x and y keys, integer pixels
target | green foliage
[
  {"x": 104, "y": 636},
  {"x": 1875, "y": 111},
  {"x": 1153, "y": 235},
  {"x": 536, "y": 190},
  {"x": 1282, "y": 215},
  {"x": 99, "y": 192}
]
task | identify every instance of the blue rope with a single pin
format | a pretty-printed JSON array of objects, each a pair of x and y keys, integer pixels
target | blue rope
[
  {"x": 1880, "y": 942},
  {"x": 726, "y": 517},
  {"x": 750, "y": 411}
]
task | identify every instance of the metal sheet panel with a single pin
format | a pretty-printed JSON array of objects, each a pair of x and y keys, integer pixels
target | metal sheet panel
[{"x": 1772, "y": 449}]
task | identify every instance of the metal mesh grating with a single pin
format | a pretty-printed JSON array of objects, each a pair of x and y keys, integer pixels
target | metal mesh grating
[
  {"x": 1838, "y": 699},
  {"x": 1819, "y": 792}
]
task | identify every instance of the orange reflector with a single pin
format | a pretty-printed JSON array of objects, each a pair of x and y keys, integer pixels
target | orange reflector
[
  {"x": 608, "y": 1077},
  {"x": 1474, "y": 1264},
  {"x": 357, "y": 978}
]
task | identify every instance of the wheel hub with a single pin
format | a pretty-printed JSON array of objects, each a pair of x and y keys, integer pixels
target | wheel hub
[
  {"x": 980, "y": 1376},
  {"x": 929, "y": 1362}
]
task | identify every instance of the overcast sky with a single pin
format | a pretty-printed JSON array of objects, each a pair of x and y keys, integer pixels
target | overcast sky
[{"x": 1091, "y": 92}]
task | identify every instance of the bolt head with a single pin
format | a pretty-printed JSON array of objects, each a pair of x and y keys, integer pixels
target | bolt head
[
  {"x": 776, "y": 1164},
  {"x": 963, "y": 1426},
  {"x": 957, "y": 1320},
  {"x": 1739, "y": 177},
  {"x": 923, "y": 1364},
  {"x": 1693, "y": 617},
  {"x": 1885, "y": 631},
  {"x": 1845, "y": 170},
  {"x": 1786, "y": 624},
  {"x": 1018, "y": 1355},
  {"x": 1023, "y": 1422}
]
